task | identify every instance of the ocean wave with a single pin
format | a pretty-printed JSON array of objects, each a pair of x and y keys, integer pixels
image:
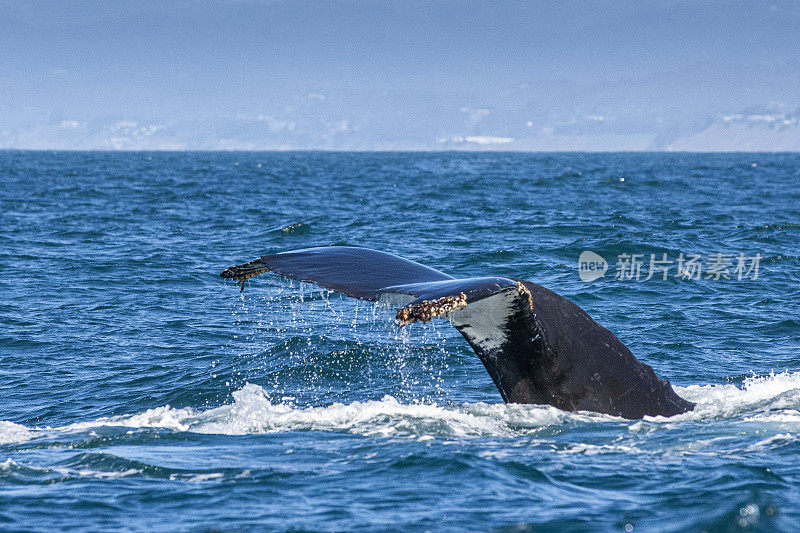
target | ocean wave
[
  {"x": 104, "y": 465},
  {"x": 11, "y": 433},
  {"x": 253, "y": 412},
  {"x": 773, "y": 398}
]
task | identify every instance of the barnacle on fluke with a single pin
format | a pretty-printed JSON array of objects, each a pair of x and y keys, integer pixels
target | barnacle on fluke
[
  {"x": 241, "y": 273},
  {"x": 524, "y": 290},
  {"x": 429, "y": 309}
]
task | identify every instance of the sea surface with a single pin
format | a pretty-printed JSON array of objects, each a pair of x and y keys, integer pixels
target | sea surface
[{"x": 140, "y": 391}]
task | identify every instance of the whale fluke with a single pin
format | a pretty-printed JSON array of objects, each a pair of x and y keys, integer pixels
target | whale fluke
[
  {"x": 354, "y": 272},
  {"x": 537, "y": 346}
]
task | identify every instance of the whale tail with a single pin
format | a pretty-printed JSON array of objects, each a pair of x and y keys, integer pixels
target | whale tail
[
  {"x": 537, "y": 346},
  {"x": 354, "y": 272}
]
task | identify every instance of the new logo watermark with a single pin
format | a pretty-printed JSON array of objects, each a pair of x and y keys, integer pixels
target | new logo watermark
[
  {"x": 591, "y": 266},
  {"x": 716, "y": 266}
]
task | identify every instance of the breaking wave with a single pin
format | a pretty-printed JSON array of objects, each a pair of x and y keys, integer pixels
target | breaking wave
[
  {"x": 772, "y": 398},
  {"x": 11, "y": 432}
]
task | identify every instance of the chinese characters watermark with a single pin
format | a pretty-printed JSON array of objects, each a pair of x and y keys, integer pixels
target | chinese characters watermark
[{"x": 637, "y": 267}]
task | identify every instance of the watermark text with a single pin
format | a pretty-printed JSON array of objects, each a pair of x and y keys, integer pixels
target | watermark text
[{"x": 716, "y": 266}]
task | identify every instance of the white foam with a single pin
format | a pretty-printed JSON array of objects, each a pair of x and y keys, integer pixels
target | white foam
[
  {"x": 775, "y": 397},
  {"x": 772, "y": 442},
  {"x": 252, "y": 412},
  {"x": 11, "y": 433},
  {"x": 595, "y": 449},
  {"x": 164, "y": 417},
  {"x": 766, "y": 399},
  {"x": 99, "y": 473},
  {"x": 196, "y": 478}
]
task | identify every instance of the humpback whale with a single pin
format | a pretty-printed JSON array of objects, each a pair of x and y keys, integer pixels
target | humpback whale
[{"x": 538, "y": 347}]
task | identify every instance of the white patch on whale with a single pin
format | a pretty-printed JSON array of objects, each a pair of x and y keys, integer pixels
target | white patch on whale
[{"x": 483, "y": 322}]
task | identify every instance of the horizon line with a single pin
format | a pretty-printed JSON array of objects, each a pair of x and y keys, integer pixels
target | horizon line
[{"x": 411, "y": 151}]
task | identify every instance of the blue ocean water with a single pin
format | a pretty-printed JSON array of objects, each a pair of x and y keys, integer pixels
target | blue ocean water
[{"x": 140, "y": 391}]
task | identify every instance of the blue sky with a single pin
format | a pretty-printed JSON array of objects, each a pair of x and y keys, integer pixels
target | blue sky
[{"x": 379, "y": 75}]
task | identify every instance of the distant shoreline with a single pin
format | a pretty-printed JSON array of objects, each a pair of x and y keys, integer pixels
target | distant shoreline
[{"x": 331, "y": 151}]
